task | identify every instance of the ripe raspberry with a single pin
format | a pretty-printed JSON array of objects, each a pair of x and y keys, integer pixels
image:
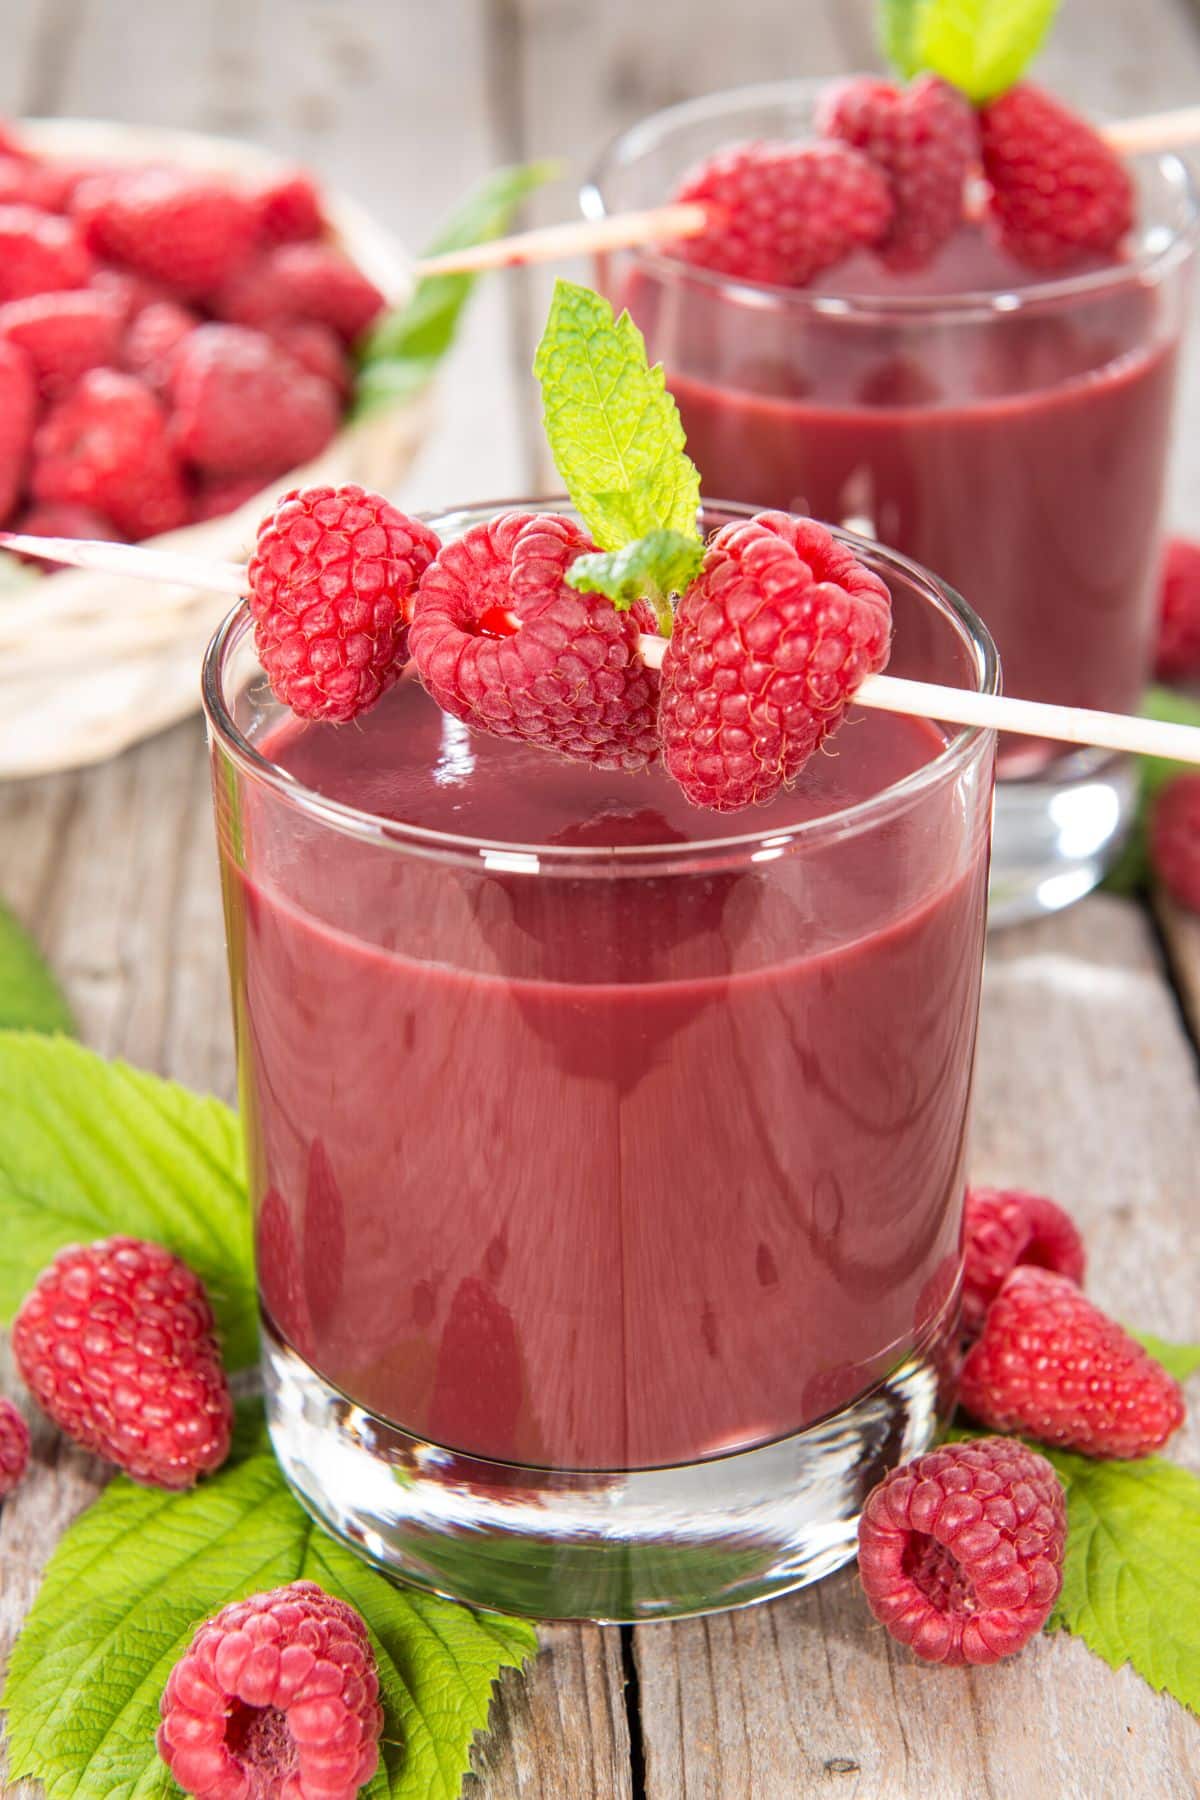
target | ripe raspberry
[
  {"x": 14, "y": 1447},
  {"x": 1178, "y": 654},
  {"x": 1057, "y": 191},
  {"x": 316, "y": 349},
  {"x": 782, "y": 212},
  {"x": 1175, "y": 839},
  {"x": 52, "y": 183},
  {"x": 924, "y": 140},
  {"x": 331, "y": 581},
  {"x": 503, "y": 643},
  {"x": 213, "y": 499},
  {"x": 64, "y": 522},
  {"x": 105, "y": 446},
  {"x": 287, "y": 208},
  {"x": 18, "y": 410},
  {"x": 132, "y": 293},
  {"x": 770, "y": 642},
  {"x": 39, "y": 253},
  {"x": 302, "y": 281},
  {"x": 117, "y": 1344},
  {"x": 63, "y": 334},
  {"x": 1049, "y": 1363},
  {"x": 186, "y": 229},
  {"x": 243, "y": 406},
  {"x": 960, "y": 1552},
  {"x": 152, "y": 341},
  {"x": 1004, "y": 1228},
  {"x": 278, "y": 1695}
]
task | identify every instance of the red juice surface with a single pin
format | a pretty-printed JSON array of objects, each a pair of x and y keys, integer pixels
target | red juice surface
[
  {"x": 602, "y": 1171},
  {"x": 1021, "y": 456}
]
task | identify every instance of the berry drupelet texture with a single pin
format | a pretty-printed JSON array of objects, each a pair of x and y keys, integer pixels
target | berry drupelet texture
[
  {"x": 1175, "y": 839},
  {"x": 1057, "y": 191},
  {"x": 1003, "y": 1227},
  {"x": 14, "y": 1447}
]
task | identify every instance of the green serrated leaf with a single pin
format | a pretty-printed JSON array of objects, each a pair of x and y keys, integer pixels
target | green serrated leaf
[
  {"x": 613, "y": 428},
  {"x": 981, "y": 46},
  {"x": 134, "y": 1576},
  {"x": 1179, "y": 1360},
  {"x": 1131, "y": 872},
  {"x": 29, "y": 996},
  {"x": 899, "y": 35},
  {"x": 401, "y": 352},
  {"x": 89, "y": 1147},
  {"x": 652, "y": 568}
]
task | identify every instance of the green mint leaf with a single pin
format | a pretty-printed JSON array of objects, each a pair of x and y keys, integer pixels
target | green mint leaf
[
  {"x": 132, "y": 1579},
  {"x": 1179, "y": 1360},
  {"x": 29, "y": 996},
  {"x": 613, "y": 428},
  {"x": 651, "y": 568},
  {"x": 89, "y": 1147},
  {"x": 400, "y": 353},
  {"x": 1130, "y": 873},
  {"x": 899, "y": 35},
  {"x": 981, "y": 46}
]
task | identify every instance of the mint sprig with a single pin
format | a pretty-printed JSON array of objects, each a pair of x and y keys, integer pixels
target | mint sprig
[
  {"x": 1179, "y": 1360},
  {"x": 981, "y": 47},
  {"x": 651, "y": 568},
  {"x": 30, "y": 999}
]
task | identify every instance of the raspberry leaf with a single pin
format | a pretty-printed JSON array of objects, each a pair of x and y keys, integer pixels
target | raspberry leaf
[
  {"x": 981, "y": 46},
  {"x": 89, "y": 1147},
  {"x": 650, "y": 568},
  {"x": 898, "y": 35},
  {"x": 1179, "y": 1360},
  {"x": 613, "y": 428},
  {"x": 133, "y": 1577},
  {"x": 29, "y": 996},
  {"x": 1131, "y": 871}
]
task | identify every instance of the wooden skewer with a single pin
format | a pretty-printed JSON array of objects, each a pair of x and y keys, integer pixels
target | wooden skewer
[
  {"x": 883, "y": 693},
  {"x": 684, "y": 219}
]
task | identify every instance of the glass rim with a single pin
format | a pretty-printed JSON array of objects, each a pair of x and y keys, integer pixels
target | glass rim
[
  {"x": 518, "y": 857},
  {"x": 1153, "y": 261}
]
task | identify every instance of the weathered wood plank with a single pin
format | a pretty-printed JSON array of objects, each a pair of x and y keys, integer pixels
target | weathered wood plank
[{"x": 562, "y": 1729}]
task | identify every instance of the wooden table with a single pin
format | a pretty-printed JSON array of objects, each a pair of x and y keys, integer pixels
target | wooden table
[{"x": 1088, "y": 1067}]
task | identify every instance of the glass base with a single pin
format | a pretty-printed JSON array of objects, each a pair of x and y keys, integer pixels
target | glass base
[
  {"x": 570, "y": 1544},
  {"x": 1058, "y": 833}
]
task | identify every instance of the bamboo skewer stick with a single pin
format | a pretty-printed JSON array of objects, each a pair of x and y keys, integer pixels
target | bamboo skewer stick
[{"x": 883, "y": 693}]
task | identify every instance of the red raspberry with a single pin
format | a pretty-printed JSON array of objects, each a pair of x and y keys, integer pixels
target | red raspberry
[
  {"x": 39, "y": 253},
  {"x": 770, "y": 641},
  {"x": 152, "y": 341},
  {"x": 1175, "y": 839},
  {"x": 1178, "y": 654},
  {"x": 64, "y": 522},
  {"x": 276, "y": 1696},
  {"x": 187, "y": 229},
  {"x": 213, "y": 499},
  {"x": 131, "y": 292},
  {"x": 924, "y": 140},
  {"x": 1057, "y": 191},
  {"x": 782, "y": 212},
  {"x": 502, "y": 642},
  {"x": 117, "y": 1343},
  {"x": 331, "y": 581},
  {"x": 302, "y": 281},
  {"x": 960, "y": 1552},
  {"x": 14, "y": 1447},
  {"x": 18, "y": 410},
  {"x": 1004, "y": 1227},
  {"x": 63, "y": 334},
  {"x": 105, "y": 446},
  {"x": 287, "y": 208},
  {"x": 1049, "y": 1363},
  {"x": 316, "y": 349},
  {"x": 243, "y": 406},
  {"x": 53, "y": 183}
]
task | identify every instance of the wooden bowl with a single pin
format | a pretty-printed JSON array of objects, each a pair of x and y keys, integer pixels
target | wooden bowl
[{"x": 90, "y": 664}]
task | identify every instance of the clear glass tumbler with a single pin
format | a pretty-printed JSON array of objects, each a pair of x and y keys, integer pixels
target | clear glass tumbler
[
  {"x": 1013, "y": 437},
  {"x": 607, "y": 1185}
]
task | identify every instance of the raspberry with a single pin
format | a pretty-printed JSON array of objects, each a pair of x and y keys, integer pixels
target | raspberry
[
  {"x": 63, "y": 334},
  {"x": 152, "y": 341},
  {"x": 117, "y": 1344},
  {"x": 1057, "y": 191},
  {"x": 960, "y": 1552},
  {"x": 302, "y": 281},
  {"x": 39, "y": 253},
  {"x": 131, "y": 292},
  {"x": 278, "y": 1695},
  {"x": 317, "y": 349},
  {"x": 64, "y": 521},
  {"x": 782, "y": 212},
  {"x": 331, "y": 580},
  {"x": 924, "y": 140},
  {"x": 105, "y": 446},
  {"x": 502, "y": 642},
  {"x": 243, "y": 406},
  {"x": 287, "y": 208},
  {"x": 14, "y": 1447},
  {"x": 769, "y": 644},
  {"x": 52, "y": 184},
  {"x": 1004, "y": 1228},
  {"x": 1175, "y": 839},
  {"x": 1178, "y": 655},
  {"x": 1049, "y": 1363},
  {"x": 213, "y": 499},
  {"x": 18, "y": 410},
  {"x": 178, "y": 226}
]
